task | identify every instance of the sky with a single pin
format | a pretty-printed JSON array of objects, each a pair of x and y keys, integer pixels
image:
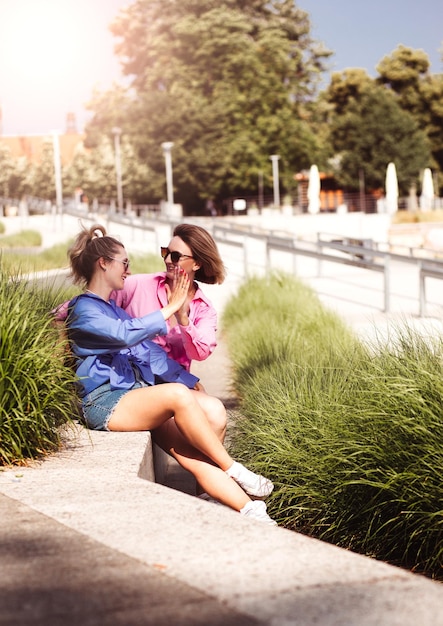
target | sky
[
  {"x": 53, "y": 53},
  {"x": 362, "y": 33}
]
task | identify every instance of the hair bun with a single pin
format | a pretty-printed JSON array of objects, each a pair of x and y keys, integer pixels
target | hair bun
[{"x": 96, "y": 232}]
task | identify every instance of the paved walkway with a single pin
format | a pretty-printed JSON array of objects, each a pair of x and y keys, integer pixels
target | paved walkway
[{"x": 86, "y": 540}]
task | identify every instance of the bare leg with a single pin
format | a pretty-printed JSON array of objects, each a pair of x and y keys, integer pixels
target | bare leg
[
  {"x": 148, "y": 408},
  {"x": 211, "y": 478},
  {"x": 215, "y": 412}
]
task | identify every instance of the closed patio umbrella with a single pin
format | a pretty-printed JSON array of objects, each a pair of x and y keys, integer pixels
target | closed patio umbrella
[
  {"x": 427, "y": 191},
  {"x": 391, "y": 185},
  {"x": 314, "y": 190}
]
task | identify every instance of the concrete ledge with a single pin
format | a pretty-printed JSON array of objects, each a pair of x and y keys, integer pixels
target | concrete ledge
[
  {"x": 275, "y": 576},
  {"x": 133, "y": 452}
]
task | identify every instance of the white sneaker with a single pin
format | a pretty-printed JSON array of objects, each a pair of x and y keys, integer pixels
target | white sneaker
[
  {"x": 256, "y": 509},
  {"x": 252, "y": 484}
]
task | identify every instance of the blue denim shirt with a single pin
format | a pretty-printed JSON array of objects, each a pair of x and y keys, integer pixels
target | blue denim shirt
[{"x": 108, "y": 344}]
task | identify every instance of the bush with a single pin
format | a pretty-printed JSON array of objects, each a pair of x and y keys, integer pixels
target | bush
[
  {"x": 36, "y": 388},
  {"x": 351, "y": 434}
]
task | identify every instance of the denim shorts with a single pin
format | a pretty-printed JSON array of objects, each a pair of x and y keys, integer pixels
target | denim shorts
[{"x": 98, "y": 406}]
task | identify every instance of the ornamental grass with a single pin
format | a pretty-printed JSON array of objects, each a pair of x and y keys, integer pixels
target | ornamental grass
[
  {"x": 350, "y": 433},
  {"x": 22, "y": 239},
  {"x": 37, "y": 394},
  {"x": 55, "y": 257},
  {"x": 36, "y": 388}
]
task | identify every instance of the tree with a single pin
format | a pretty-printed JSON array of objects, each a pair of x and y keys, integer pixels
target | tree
[
  {"x": 369, "y": 130},
  {"x": 43, "y": 179},
  {"x": 93, "y": 170},
  {"x": 229, "y": 82},
  {"x": 403, "y": 73},
  {"x": 20, "y": 179},
  {"x": 406, "y": 74},
  {"x": 6, "y": 170}
]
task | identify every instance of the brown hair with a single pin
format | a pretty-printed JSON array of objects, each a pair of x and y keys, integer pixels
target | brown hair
[
  {"x": 90, "y": 245},
  {"x": 205, "y": 252}
]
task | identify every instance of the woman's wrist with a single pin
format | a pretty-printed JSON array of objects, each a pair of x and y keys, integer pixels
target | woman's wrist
[{"x": 168, "y": 310}]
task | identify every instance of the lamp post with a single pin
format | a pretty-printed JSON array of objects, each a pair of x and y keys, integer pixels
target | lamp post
[
  {"x": 167, "y": 147},
  {"x": 116, "y": 131},
  {"x": 57, "y": 172},
  {"x": 260, "y": 191},
  {"x": 274, "y": 158}
]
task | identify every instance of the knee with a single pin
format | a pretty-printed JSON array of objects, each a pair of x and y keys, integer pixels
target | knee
[
  {"x": 217, "y": 418},
  {"x": 181, "y": 395}
]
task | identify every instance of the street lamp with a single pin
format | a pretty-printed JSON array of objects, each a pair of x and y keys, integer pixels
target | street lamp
[
  {"x": 57, "y": 172},
  {"x": 116, "y": 131},
  {"x": 167, "y": 146},
  {"x": 274, "y": 158}
]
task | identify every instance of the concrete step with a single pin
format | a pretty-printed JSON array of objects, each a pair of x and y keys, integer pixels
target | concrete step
[{"x": 96, "y": 486}]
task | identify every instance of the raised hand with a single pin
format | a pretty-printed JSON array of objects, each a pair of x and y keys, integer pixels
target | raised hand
[{"x": 178, "y": 293}]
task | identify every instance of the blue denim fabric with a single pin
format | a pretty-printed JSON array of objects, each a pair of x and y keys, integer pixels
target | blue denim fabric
[{"x": 100, "y": 403}]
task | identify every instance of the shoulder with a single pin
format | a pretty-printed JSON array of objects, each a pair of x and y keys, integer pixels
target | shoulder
[
  {"x": 86, "y": 302},
  {"x": 134, "y": 280}
]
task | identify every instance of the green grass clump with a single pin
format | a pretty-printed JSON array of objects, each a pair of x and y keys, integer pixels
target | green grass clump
[
  {"x": 37, "y": 393},
  {"x": 36, "y": 388},
  {"x": 350, "y": 434},
  {"x": 23, "y": 239},
  {"x": 2, "y": 228},
  {"x": 146, "y": 263},
  {"x": 56, "y": 257}
]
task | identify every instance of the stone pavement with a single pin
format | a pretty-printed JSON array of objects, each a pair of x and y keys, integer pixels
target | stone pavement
[
  {"x": 52, "y": 575},
  {"x": 87, "y": 540}
]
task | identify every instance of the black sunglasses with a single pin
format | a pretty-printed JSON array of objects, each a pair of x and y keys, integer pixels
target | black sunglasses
[{"x": 175, "y": 256}]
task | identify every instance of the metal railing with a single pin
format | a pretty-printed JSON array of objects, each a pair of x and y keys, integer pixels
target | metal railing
[
  {"x": 361, "y": 253},
  {"x": 325, "y": 248}
]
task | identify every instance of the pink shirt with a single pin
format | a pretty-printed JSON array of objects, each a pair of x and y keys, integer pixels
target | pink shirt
[{"x": 144, "y": 293}]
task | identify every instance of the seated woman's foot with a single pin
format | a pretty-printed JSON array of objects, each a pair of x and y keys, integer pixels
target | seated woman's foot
[
  {"x": 256, "y": 509},
  {"x": 252, "y": 484}
]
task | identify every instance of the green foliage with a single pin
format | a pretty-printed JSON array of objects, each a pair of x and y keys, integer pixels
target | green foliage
[
  {"x": 369, "y": 129},
  {"x": 22, "y": 239},
  {"x": 43, "y": 182},
  {"x": 225, "y": 117},
  {"x": 2, "y": 228},
  {"x": 56, "y": 258},
  {"x": 396, "y": 117},
  {"x": 15, "y": 174},
  {"x": 146, "y": 263},
  {"x": 406, "y": 74},
  {"x": 351, "y": 434},
  {"x": 93, "y": 171},
  {"x": 36, "y": 388},
  {"x": 403, "y": 73}
]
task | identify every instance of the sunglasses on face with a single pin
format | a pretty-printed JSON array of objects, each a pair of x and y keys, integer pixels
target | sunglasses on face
[
  {"x": 175, "y": 255},
  {"x": 125, "y": 264}
]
